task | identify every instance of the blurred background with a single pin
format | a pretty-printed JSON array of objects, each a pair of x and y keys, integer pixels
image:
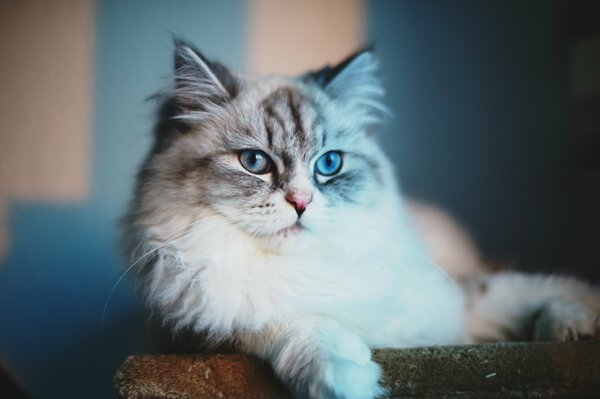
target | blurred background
[{"x": 496, "y": 119}]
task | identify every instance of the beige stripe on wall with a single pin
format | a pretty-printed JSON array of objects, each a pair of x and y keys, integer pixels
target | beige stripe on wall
[
  {"x": 290, "y": 37},
  {"x": 46, "y": 79}
]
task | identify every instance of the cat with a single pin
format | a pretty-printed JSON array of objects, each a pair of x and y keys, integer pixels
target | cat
[{"x": 266, "y": 216}]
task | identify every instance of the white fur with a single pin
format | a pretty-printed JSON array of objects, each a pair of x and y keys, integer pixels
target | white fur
[
  {"x": 360, "y": 278},
  {"x": 313, "y": 302}
]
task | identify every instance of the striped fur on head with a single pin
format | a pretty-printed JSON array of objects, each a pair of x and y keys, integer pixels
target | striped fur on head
[{"x": 212, "y": 114}]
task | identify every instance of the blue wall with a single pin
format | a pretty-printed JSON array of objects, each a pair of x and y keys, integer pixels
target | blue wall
[
  {"x": 479, "y": 95},
  {"x": 63, "y": 262}
]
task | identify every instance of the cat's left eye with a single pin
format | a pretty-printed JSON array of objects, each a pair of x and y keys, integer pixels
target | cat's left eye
[
  {"x": 329, "y": 163},
  {"x": 255, "y": 161}
]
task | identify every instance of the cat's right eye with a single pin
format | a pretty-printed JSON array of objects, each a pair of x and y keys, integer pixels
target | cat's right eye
[{"x": 255, "y": 161}]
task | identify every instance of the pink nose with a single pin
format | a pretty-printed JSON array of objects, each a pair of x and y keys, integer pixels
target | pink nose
[{"x": 299, "y": 201}]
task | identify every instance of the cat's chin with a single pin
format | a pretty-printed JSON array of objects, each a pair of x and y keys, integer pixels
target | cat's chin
[
  {"x": 293, "y": 230},
  {"x": 284, "y": 240}
]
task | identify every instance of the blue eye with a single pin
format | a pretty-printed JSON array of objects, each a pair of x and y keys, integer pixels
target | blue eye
[
  {"x": 329, "y": 163},
  {"x": 255, "y": 161}
]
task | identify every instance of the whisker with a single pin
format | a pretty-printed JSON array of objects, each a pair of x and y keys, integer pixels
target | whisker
[
  {"x": 184, "y": 231},
  {"x": 130, "y": 267}
]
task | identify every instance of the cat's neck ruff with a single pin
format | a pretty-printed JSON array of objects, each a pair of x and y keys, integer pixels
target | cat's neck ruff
[{"x": 219, "y": 279}]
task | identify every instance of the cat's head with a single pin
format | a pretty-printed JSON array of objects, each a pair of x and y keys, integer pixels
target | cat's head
[{"x": 278, "y": 158}]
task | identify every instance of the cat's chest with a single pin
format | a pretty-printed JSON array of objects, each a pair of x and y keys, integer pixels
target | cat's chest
[
  {"x": 313, "y": 278},
  {"x": 233, "y": 284}
]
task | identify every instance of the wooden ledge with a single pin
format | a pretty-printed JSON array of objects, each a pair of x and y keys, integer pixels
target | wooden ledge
[{"x": 501, "y": 370}]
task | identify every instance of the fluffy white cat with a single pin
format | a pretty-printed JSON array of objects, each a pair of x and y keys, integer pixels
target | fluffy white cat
[{"x": 267, "y": 216}]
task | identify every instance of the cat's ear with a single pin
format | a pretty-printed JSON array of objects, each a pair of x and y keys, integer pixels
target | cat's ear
[
  {"x": 200, "y": 83},
  {"x": 355, "y": 74},
  {"x": 354, "y": 82}
]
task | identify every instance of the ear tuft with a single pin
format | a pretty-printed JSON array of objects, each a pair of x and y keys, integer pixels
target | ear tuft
[{"x": 200, "y": 84}]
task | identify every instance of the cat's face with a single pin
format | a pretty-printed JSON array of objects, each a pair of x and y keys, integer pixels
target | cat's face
[{"x": 278, "y": 158}]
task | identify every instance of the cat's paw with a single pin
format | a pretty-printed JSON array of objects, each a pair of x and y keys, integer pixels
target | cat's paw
[
  {"x": 346, "y": 379},
  {"x": 343, "y": 369},
  {"x": 566, "y": 321}
]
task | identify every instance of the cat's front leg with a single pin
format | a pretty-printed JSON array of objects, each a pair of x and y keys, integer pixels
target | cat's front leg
[{"x": 316, "y": 358}]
